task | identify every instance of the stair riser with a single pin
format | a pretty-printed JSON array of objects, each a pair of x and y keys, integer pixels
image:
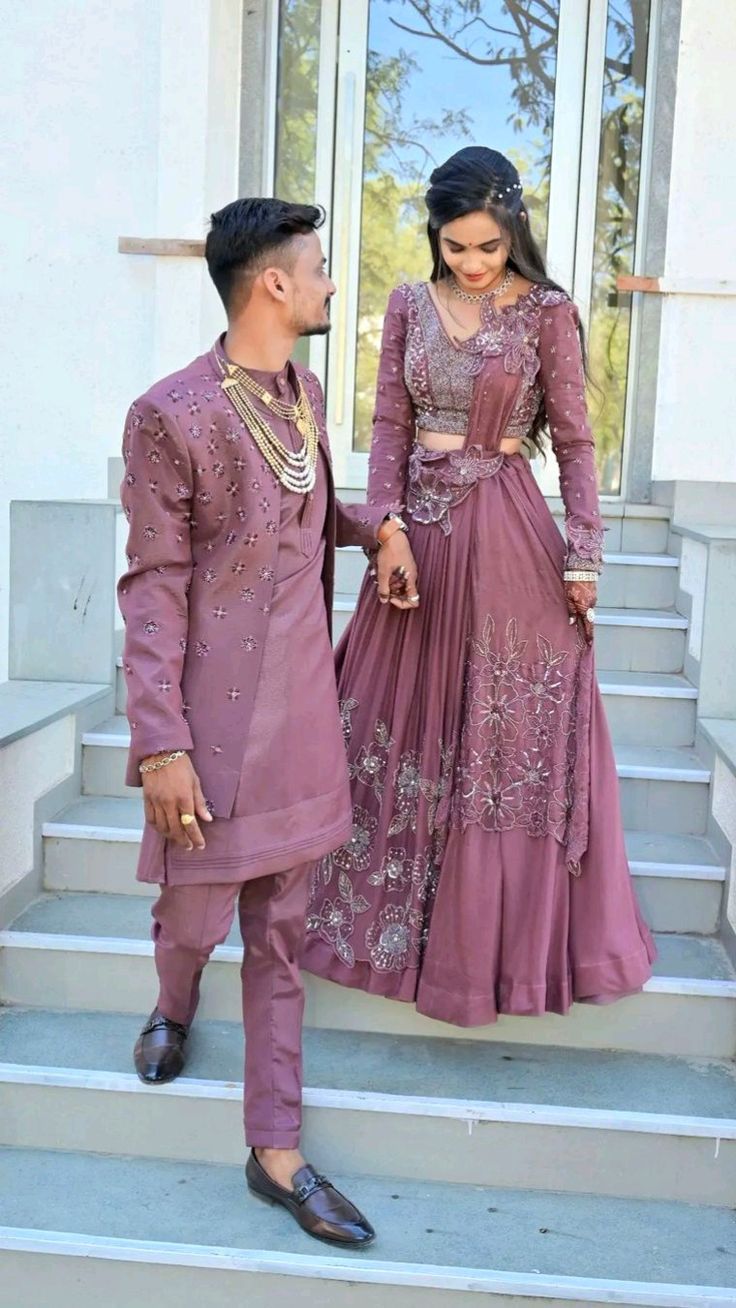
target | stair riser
[
  {"x": 626, "y": 1164},
  {"x": 633, "y": 720},
  {"x": 649, "y": 720},
  {"x": 623, "y": 586},
  {"x": 680, "y": 808},
  {"x": 38, "y": 1280},
  {"x": 652, "y": 1022},
  {"x": 669, "y": 903},
  {"x": 618, "y": 649}
]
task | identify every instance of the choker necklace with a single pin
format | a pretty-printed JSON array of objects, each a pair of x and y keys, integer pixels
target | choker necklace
[
  {"x": 501, "y": 289},
  {"x": 295, "y": 469}
]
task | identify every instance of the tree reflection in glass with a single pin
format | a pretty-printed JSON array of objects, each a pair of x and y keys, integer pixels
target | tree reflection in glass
[
  {"x": 440, "y": 76},
  {"x": 615, "y": 229}
]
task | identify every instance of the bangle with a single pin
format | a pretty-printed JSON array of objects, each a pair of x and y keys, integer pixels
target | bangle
[
  {"x": 574, "y": 574},
  {"x": 162, "y": 762},
  {"x": 395, "y": 522}
]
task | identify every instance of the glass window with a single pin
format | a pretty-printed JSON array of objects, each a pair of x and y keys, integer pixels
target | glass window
[
  {"x": 622, "y": 117},
  {"x": 297, "y": 100},
  {"x": 440, "y": 76}
]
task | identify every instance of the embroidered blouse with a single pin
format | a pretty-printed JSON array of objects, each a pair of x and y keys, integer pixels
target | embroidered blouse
[{"x": 487, "y": 388}]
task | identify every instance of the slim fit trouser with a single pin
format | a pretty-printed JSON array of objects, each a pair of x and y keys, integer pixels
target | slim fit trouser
[{"x": 188, "y": 922}]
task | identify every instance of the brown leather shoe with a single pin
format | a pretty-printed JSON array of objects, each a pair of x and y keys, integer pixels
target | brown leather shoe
[
  {"x": 314, "y": 1203},
  {"x": 159, "y": 1051}
]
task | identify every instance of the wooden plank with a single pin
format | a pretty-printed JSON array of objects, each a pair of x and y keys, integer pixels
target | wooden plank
[
  {"x": 181, "y": 249},
  {"x": 650, "y": 285},
  {"x": 677, "y": 285}
]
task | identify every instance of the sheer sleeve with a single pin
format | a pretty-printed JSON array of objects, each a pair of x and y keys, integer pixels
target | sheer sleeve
[
  {"x": 393, "y": 417},
  {"x": 563, "y": 383}
]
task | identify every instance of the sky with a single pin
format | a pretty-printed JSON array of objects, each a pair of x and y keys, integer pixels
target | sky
[{"x": 449, "y": 81}]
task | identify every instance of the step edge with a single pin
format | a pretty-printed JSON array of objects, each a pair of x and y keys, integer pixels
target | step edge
[
  {"x": 643, "y": 771},
  {"x": 636, "y": 1294},
  {"x": 69, "y": 831},
  {"x": 708, "y": 987},
  {"x": 634, "y": 689},
  {"x": 631, "y": 557},
  {"x": 402, "y": 1105},
  {"x": 130, "y": 835}
]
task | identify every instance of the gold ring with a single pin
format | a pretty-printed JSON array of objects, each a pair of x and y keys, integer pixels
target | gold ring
[{"x": 187, "y": 819}]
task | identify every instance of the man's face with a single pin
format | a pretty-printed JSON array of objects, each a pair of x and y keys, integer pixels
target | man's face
[{"x": 311, "y": 289}]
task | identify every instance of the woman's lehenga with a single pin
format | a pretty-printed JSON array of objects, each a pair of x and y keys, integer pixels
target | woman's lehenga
[{"x": 487, "y": 871}]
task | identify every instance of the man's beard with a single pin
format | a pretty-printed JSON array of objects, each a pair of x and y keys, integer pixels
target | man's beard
[
  {"x": 317, "y": 329},
  {"x": 322, "y": 330}
]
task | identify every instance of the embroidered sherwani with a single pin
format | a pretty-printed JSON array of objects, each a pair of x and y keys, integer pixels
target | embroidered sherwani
[
  {"x": 227, "y": 603},
  {"x": 486, "y": 872},
  {"x": 216, "y": 548}
]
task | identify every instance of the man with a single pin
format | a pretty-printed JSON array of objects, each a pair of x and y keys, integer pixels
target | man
[{"x": 235, "y": 728}]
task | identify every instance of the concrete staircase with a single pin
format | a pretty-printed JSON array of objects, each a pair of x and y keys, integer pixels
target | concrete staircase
[{"x": 551, "y": 1161}]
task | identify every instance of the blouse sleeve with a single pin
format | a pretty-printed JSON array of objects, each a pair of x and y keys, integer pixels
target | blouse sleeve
[
  {"x": 153, "y": 593},
  {"x": 563, "y": 383},
  {"x": 393, "y": 417}
]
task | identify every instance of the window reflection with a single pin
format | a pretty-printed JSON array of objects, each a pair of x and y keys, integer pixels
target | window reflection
[
  {"x": 615, "y": 231},
  {"x": 297, "y": 100},
  {"x": 441, "y": 76}
]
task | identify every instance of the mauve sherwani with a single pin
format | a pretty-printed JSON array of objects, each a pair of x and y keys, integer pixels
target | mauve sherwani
[{"x": 205, "y": 517}]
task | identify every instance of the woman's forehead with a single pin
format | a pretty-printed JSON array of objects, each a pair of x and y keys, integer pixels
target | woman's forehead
[{"x": 472, "y": 229}]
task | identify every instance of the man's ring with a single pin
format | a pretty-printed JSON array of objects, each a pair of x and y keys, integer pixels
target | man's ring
[
  {"x": 590, "y": 615},
  {"x": 413, "y": 599},
  {"x": 186, "y": 819}
]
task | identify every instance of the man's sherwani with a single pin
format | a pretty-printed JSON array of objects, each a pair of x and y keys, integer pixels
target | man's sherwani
[{"x": 204, "y": 511}]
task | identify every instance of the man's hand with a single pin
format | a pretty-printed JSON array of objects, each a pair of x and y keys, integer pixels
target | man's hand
[
  {"x": 169, "y": 792},
  {"x": 396, "y": 553}
]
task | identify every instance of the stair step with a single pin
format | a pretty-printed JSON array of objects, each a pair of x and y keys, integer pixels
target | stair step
[
  {"x": 661, "y": 788},
  {"x": 628, "y": 580},
  {"x": 93, "y": 845},
  {"x": 640, "y": 707},
  {"x": 169, "y": 1232},
  {"x": 637, "y": 640},
  {"x": 626, "y": 1124},
  {"x": 92, "y": 951}
]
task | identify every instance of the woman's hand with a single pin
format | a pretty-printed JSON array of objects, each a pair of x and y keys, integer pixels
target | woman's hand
[
  {"x": 581, "y": 598},
  {"x": 394, "y": 555}
]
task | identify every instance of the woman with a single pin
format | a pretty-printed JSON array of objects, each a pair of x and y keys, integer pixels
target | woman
[{"x": 486, "y": 872}]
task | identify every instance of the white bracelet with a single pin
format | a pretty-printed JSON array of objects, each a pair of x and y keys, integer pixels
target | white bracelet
[{"x": 576, "y": 575}]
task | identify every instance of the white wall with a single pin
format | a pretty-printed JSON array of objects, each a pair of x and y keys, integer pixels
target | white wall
[
  {"x": 694, "y": 428},
  {"x": 118, "y": 119}
]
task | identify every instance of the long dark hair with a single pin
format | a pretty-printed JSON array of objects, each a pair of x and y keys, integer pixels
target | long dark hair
[{"x": 478, "y": 179}]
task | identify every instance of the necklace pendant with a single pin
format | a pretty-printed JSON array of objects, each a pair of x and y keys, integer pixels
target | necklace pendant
[{"x": 302, "y": 426}]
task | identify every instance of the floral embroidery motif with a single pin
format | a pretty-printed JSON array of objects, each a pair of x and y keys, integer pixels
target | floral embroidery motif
[
  {"x": 394, "y": 939},
  {"x": 336, "y": 920},
  {"x": 356, "y": 854},
  {"x": 372, "y": 760},
  {"x": 439, "y": 481},
  {"x": 518, "y": 741}
]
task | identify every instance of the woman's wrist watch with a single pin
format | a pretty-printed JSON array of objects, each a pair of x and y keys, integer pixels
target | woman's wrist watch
[{"x": 392, "y": 523}]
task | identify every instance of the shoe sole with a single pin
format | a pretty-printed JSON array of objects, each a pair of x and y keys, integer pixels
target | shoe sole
[{"x": 325, "y": 1239}]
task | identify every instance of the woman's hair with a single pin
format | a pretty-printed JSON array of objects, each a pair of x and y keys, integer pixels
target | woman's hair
[{"x": 477, "y": 179}]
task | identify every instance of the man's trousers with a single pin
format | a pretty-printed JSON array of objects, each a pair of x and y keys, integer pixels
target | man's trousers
[{"x": 189, "y": 921}]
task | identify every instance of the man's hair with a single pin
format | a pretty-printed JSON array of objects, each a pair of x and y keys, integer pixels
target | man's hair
[{"x": 248, "y": 234}]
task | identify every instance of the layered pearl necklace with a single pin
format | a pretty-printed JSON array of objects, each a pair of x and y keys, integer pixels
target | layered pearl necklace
[{"x": 295, "y": 469}]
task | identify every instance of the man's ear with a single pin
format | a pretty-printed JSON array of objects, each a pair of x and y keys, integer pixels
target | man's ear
[{"x": 274, "y": 280}]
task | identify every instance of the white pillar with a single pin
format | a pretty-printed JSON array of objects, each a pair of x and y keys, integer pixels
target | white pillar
[{"x": 694, "y": 423}]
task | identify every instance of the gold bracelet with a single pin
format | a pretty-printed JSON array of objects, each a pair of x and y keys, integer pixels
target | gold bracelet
[{"x": 162, "y": 762}]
